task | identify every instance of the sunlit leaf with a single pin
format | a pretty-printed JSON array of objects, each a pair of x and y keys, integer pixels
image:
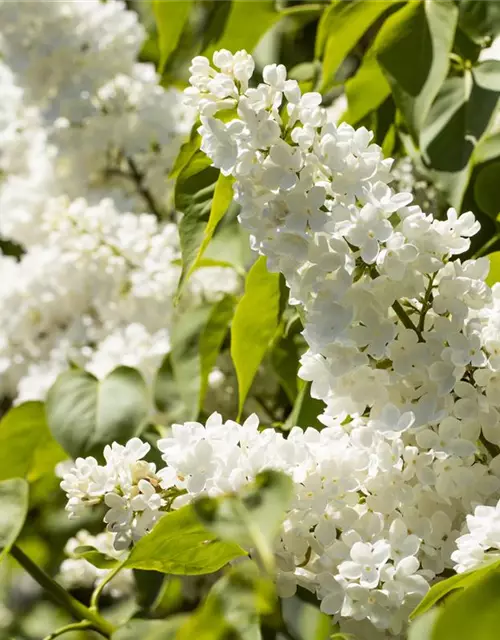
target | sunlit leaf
[
  {"x": 171, "y": 16},
  {"x": 13, "y": 509},
  {"x": 341, "y": 26},
  {"x": 27, "y": 448},
  {"x": 255, "y": 322},
  {"x": 180, "y": 545}
]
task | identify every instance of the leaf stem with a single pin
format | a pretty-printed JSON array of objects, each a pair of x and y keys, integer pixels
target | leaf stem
[
  {"x": 74, "y": 626},
  {"x": 61, "y": 596},
  {"x": 94, "y": 600},
  {"x": 406, "y": 320}
]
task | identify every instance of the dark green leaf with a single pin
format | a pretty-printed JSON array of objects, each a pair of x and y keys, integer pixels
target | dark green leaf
[
  {"x": 285, "y": 362},
  {"x": 14, "y": 499},
  {"x": 341, "y": 26},
  {"x": 180, "y": 545},
  {"x": 458, "y": 119},
  {"x": 255, "y": 322},
  {"x": 486, "y": 189},
  {"x": 27, "y": 448},
  {"x": 305, "y": 411},
  {"x": 480, "y": 19},
  {"x": 212, "y": 338},
  {"x": 413, "y": 49},
  {"x": 84, "y": 414},
  {"x": 171, "y": 16}
]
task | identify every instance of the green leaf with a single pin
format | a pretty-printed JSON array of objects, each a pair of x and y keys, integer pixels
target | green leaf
[
  {"x": 95, "y": 557},
  {"x": 305, "y": 410},
  {"x": 170, "y": 16},
  {"x": 486, "y": 191},
  {"x": 212, "y": 338},
  {"x": 180, "y": 545},
  {"x": 367, "y": 89},
  {"x": 150, "y": 629},
  {"x": 27, "y": 448},
  {"x": 340, "y": 28},
  {"x": 255, "y": 322},
  {"x": 245, "y": 25},
  {"x": 494, "y": 274},
  {"x": 421, "y": 629},
  {"x": 285, "y": 362},
  {"x": 14, "y": 498},
  {"x": 194, "y": 192},
  {"x": 460, "y": 117},
  {"x": 85, "y": 414},
  {"x": 185, "y": 357},
  {"x": 413, "y": 49},
  {"x": 253, "y": 516},
  {"x": 474, "y": 613},
  {"x": 223, "y": 196},
  {"x": 233, "y": 607},
  {"x": 445, "y": 587},
  {"x": 480, "y": 19}
]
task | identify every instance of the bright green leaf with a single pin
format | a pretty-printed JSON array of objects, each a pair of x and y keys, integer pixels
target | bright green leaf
[
  {"x": 180, "y": 545},
  {"x": 26, "y": 445},
  {"x": 194, "y": 192},
  {"x": 85, "y": 414},
  {"x": 170, "y": 16},
  {"x": 255, "y": 322},
  {"x": 494, "y": 274},
  {"x": 341, "y": 26},
  {"x": 245, "y": 25},
  {"x": 413, "y": 49},
  {"x": 212, "y": 338},
  {"x": 445, "y": 587},
  {"x": 223, "y": 196},
  {"x": 421, "y": 629},
  {"x": 95, "y": 557},
  {"x": 14, "y": 497},
  {"x": 367, "y": 89},
  {"x": 473, "y": 614},
  {"x": 253, "y": 516}
]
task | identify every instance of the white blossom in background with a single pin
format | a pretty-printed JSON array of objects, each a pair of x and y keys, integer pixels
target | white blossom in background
[
  {"x": 87, "y": 139},
  {"x": 77, "y": 573}
]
